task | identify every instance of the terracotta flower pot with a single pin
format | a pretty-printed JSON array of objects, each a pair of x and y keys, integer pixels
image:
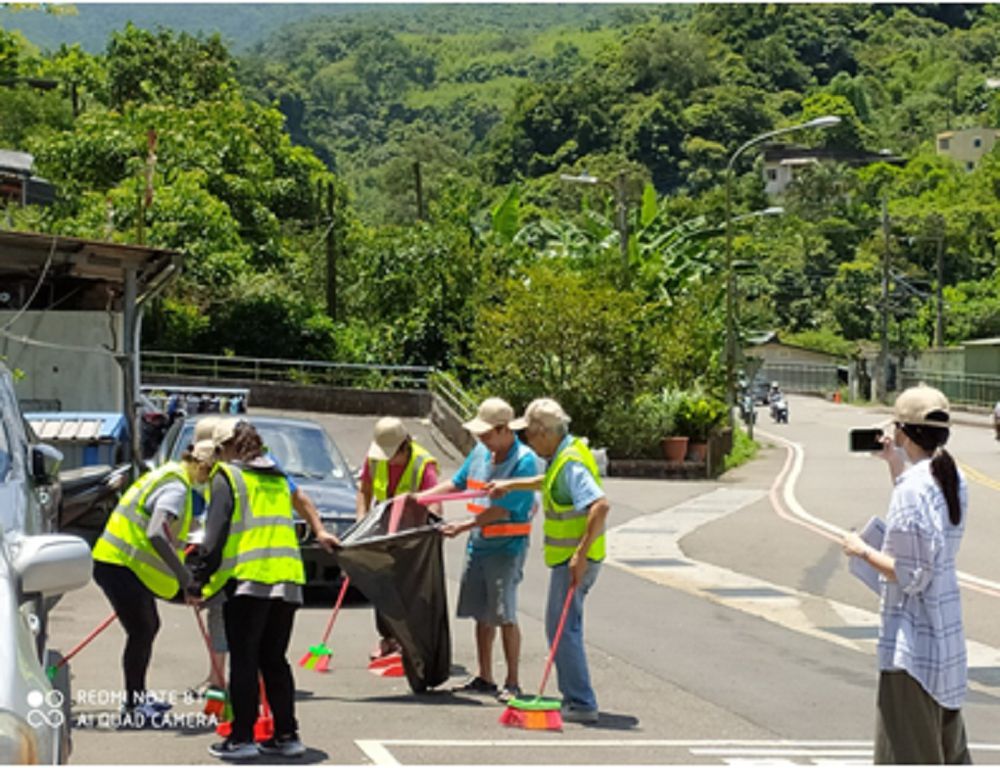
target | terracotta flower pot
[
  {"x": 697, "y": 451},
  {"x": 674, "y": 448}
]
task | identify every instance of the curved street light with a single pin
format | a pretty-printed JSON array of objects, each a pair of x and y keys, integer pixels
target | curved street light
[
  {"x": 827, "y": 121},
  {"x": 621, "y": 211}
]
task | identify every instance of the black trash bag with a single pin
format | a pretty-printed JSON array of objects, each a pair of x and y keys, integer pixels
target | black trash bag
[{"x": 402, "y": 574}]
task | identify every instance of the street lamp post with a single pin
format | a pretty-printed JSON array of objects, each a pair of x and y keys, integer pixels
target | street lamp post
[
  {"x": 621, "y": 211},
  {"x": 820, "y": 122}
]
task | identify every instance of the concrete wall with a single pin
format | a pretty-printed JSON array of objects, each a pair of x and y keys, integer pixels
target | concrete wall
[
  {"x": 77, "y": 380},
  {"x": 946, "y": 360},
  {"x": 311, "y": 397},
  {"x": 982, "y": 358}
]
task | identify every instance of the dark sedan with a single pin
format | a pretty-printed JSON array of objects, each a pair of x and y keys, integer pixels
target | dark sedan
[{"x": 311, "y": 459}]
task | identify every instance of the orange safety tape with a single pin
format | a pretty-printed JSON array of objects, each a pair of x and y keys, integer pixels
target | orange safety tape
[{"x": 507, "y": 529}]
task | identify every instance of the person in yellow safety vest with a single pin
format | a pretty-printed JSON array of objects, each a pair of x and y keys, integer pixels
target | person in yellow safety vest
[
  {"x": 395, "y": 464},
  {"x": 139, "y": 557},
  {"x": 251, "y": 553},
  {"x": 498, "y": 542},
  {"x": 576, "y": 508},
  {"x": 305, "y": 507}
]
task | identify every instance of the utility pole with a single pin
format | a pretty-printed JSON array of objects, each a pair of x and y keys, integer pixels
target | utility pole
[
  {"x": 418, "y": 183},
  {"x": 882, "y": 378},
  {"x": 331, "y": 256},
  {"x": 939, "y": 319}
]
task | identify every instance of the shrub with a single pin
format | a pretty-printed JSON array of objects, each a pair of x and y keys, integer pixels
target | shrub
[{"x": 698, "y": 415}]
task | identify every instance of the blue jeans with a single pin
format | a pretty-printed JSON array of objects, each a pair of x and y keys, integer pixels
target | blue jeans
[{"x": 571, "y": 658}]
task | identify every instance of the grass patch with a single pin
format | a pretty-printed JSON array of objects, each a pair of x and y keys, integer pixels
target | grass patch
[{"x": 744, "y": 450}]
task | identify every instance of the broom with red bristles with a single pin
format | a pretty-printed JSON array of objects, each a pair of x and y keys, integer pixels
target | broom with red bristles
[
  {"x": 318, "y": 656},
  {"x": 216, "y": 699},
  {"x": 539, "y": 713}
]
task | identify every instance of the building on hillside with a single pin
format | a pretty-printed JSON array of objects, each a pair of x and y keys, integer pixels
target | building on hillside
[
  {"x": 18, "y": 184},
  {"x": 967, "y": 146},
  {"x": 783, "y": 162}
]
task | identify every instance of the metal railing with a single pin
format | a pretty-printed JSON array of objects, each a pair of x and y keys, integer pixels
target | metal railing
[
  {"x": 799, "y": 377},
  {"x": 447, "y": 387},
  {"x": 960, "y": 388},
  {"x": 225, "y": 368}
]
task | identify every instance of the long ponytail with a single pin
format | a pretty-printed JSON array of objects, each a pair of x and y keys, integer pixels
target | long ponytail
[{"x": 943, "y": 468}]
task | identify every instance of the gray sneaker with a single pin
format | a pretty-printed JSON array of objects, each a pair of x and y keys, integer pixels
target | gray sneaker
[
  {"x": 575, "y": 715},
  {"x": 231, "y": 750},
  {"x": 286, "y": 746}
]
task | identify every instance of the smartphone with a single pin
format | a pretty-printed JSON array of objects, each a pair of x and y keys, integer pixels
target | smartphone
[{"x": 865, "y": 439}]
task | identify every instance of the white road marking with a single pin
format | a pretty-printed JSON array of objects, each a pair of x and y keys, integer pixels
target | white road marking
[
  {"x": 649, "y": 547},
  {"x": 376, "y": 751},
  {"x": 731, "y": 751},
  {"x": 834, "y": 532}
]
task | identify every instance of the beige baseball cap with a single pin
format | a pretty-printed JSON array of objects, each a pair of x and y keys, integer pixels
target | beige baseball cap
[
  {"x": 204, "y": 451},
  {"x": 493, "y": 412},
  {"x": 922, "y": 406},
  {"x": 389, "y": 435},
  {"x": 545, "y": 412},
  {"x": 203, "y": 428},
  {"x": 223, "y": 430}
]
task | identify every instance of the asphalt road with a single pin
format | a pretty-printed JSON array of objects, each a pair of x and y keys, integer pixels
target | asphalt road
[{"x": 718, "y": 631}]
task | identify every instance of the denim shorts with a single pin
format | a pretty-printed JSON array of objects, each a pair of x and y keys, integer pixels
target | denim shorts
[{"x": 488, "y": 592}]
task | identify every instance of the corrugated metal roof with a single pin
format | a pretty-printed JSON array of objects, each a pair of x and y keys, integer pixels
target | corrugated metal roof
[
  {"x": 13, "y": 160},
  {"x": 79, "y": 427}
]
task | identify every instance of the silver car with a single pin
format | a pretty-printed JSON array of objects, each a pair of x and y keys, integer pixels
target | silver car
[{"x": 36, "y": 567}]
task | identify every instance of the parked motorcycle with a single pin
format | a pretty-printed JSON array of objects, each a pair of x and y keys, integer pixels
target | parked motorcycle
[{"x": 90, "y": 494}]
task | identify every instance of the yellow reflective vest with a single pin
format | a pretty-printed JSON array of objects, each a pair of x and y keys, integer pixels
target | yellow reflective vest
[
  {"x": 411, "y": 478},
  {"x": 261, "y": 545},
  {"x": 565, "y": 525},
  {"x": 125, "y": 541}
]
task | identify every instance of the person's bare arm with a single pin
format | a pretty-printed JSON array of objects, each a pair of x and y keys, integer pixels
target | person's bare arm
[
  {"x": 308, "y": 512},
  {"x": 855, "y": 546},
  {"x": 597, "y": 513},
  {"x": 498, "y": 488},
  {"x": 363, "y": 501}
]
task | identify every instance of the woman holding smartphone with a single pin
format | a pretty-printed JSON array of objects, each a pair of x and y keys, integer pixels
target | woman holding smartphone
[{"x": 921, "y": 648}]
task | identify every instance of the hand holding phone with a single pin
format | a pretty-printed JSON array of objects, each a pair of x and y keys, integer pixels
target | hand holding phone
[{"x": 866, "y": 440}]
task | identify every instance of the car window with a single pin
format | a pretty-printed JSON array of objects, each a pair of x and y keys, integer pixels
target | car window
[{"x": 302, "y": 449}]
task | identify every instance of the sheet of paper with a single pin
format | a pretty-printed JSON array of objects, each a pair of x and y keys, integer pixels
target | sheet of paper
[{"x": 872, "y": 534}]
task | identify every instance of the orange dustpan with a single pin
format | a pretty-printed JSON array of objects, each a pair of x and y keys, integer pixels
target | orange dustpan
[{"x": 539, "y": 713}]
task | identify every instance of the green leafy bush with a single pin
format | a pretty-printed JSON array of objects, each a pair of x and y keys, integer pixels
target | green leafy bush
[{"x": 698, "y": 415}]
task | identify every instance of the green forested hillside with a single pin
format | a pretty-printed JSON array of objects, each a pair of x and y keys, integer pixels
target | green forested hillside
[{"x": 514, "y": 278}]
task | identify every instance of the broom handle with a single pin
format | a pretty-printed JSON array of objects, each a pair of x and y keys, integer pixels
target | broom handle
[
  {"x": 208, "y": 644},
  {"x": 555, "y": 641},
  {"x": 454, "y": 496},
  {"x": 336, "y": 609},
  {"x": 87, "y": 640}
]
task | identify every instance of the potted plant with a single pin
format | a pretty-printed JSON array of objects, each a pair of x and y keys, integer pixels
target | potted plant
[
  {"x": 673, "y": 446},
  {"x": 634, "y": 430},
  {"x": 697, "y": 416}
]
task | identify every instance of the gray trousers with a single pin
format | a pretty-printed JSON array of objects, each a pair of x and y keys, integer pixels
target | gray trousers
[{"x": 913, "y": 729}]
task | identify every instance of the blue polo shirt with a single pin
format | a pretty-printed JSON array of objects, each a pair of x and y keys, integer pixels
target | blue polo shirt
[{"x": 520, "y": 462}]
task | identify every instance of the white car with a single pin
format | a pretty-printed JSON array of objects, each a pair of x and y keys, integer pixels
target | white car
[{"x": 35, "y": 568}]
